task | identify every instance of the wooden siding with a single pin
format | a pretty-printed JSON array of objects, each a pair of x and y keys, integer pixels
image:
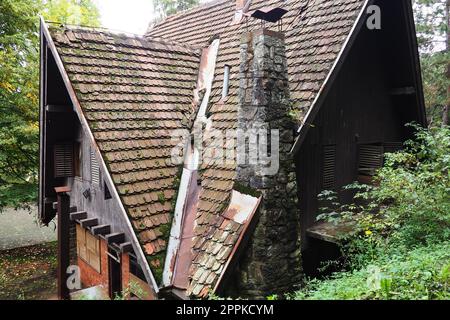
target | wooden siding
[{"x": 359, "y": 109}]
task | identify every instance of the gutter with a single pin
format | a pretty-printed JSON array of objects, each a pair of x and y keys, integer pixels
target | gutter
[{"x": 191, "y": 161}]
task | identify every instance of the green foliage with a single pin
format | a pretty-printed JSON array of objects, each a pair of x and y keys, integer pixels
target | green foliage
[
  {"x": 435, "y": 84},
  {"x": 81, "y": 12},
  {"x": 411, "y": 203},
  {"x": 18, "y": 101},
  {"x": 400, "y": 249},
  {"x": 432, "y": 27},
  {"x": 422, "y": 273},
  {"x": 246, "y": 190},
  {"x": 168, "y": 7},
  {"x": 19, "y": 90},
  {"x": 161, "y": 197},
  {"x": 132, "y": 288},
  {"x": 431, "y": 23}
]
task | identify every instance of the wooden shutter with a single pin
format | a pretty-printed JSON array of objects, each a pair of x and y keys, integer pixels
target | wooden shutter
[
  {"x": 88, "y": 248},
  {"x": 93, "y": 251},
  {"x": 329, "y": 167},
  {"x": 95, "y": 170},
  {"x": 370, "y": 159},
  {"x": 81, "y": 243},
  {"x": 63, "y": 158}
]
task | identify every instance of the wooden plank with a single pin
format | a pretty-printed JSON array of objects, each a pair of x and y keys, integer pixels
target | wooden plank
[
  {"x": 53, "y": 108},
  {"x": 126, "y": 247},
  {"x": 101, "y": 229},
  {"x": 63, "y": 244},
  {"x": 80, "y": 215},
  {"x": 118, "y": 237},
  {"x": 81, "y": 243},
  {"x": 85, "y": 223},
  {"x": 330, "y": 232},
  {"x": 92, "y": 243},
  {"x": 62, "y": 189},
  {"x": 140, "y": 288}
]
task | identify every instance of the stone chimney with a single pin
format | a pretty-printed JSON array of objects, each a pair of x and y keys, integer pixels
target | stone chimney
[{"x": 272, "y": 261}]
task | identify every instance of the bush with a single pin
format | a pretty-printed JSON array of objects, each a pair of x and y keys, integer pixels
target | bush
[
  {"x": 423, "y": 273},
  {"x": 401, "y": 247},
  {"x": 410, "y": 203}
]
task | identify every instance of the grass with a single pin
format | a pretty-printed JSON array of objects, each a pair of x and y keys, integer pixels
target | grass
[
  {"x": 28, "y": 273},
  {"x": 419, "y": 274}
]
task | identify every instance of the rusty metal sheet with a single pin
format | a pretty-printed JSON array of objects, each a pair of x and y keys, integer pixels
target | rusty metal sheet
[
  {"x": 241, "y": 207},
  {"x": 184, "y": 254}
]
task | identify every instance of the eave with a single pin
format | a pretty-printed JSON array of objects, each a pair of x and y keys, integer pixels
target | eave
[{"x": 45, "y": 34}]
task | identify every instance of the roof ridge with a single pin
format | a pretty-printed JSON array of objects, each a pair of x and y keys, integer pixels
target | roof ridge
[
  {"x": 185, "y": 12},
  {"x": 122, "y": 34}
]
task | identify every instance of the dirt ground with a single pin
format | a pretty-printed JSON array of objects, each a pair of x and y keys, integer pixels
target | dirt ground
[{"x": 28, "y": 273}]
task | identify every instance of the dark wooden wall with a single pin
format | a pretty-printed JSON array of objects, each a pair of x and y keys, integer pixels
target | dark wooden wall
[
  {"x": 56, "y": 126},
  {"x": 360, "y": 108},
  {"x": 64, "y": 126}
]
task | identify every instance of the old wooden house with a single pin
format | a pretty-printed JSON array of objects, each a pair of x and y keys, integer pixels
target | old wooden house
[{"x": 336, "y": 79}]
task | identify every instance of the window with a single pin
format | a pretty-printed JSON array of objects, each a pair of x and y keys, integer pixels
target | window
[
  {"x": 95, "y": 170},
  {"x": 106, "y": 191},
  {"x": 88, "y": 248},
  {"x": 329, "y": 167},
  {"x": 63, "y": 160},
  {"x": 77, "y": 159},
  {"x": 370, "y": 159},
  {"x": 135, "y": 268}
]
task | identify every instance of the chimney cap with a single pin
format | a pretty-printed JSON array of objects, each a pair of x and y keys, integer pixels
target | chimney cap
[{"x": 270, "y": 14}]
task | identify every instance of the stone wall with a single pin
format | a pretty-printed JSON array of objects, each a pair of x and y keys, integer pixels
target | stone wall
[{"x": 271, "y": 263}]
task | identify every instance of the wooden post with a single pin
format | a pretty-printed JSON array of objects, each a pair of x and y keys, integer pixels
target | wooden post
[{"x": 63, "y": 214}]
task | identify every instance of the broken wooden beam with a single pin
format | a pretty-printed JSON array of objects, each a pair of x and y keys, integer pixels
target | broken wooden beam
[
  {"x": 101, "y": 229},
  {"x": 85, "y": 223},
  {"x": 80, "y": 215}
]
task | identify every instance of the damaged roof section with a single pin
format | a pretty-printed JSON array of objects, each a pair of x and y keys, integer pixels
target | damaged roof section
[
  {"x": 134, "y": 93},
  {"x": 215, "y": 249},
  {"x": 315, "y": 33}
]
